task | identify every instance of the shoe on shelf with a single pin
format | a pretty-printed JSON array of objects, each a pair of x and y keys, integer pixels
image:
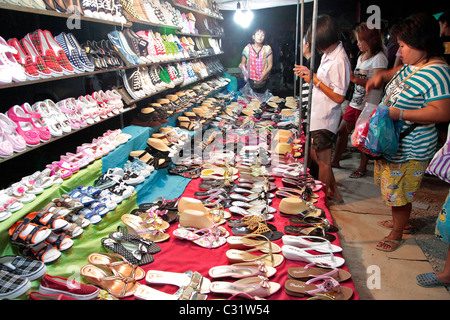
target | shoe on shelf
[
  {"x": 25, "y": 60},
  {"x": 8, "y": 127},
  {"x": 10, "y": 69},
  {"x": 39, "y": 42},
  {"x": 37, "y": 122},
  {"x": 25, "y": 126}
]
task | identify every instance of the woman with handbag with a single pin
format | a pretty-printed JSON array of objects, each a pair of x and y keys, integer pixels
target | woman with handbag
[
  {"x": 440, "y": 167},
  {"x": 257, "y": 62},
  {"x": 418, "y": 92}
]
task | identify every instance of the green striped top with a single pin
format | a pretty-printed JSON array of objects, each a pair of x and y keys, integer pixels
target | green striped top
[{"x": 426, "y": 85}]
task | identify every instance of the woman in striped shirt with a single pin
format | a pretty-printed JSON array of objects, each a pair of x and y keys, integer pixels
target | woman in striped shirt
[{"x": 417, "y": 92}]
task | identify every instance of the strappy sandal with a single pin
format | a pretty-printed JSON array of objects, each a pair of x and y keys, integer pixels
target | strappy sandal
[
  {"x": 47, "y": 253},
  {"x": 47, "y": 219},
  {"x": 153, "y": 229},
  {"x": 61, "y": 241},
  {"x": 26, "y": 233},
  {"x": 257, "y": 225},
  {"x": 211, "y": 238},
  {"x": 117, "y": 264},
  {"x": 117, "y": 286}
]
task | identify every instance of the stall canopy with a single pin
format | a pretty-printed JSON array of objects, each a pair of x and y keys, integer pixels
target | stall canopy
[{"x": 255, "y": 4}]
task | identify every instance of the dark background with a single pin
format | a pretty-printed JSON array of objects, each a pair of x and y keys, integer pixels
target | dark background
[{"x": 280, "y": 24}]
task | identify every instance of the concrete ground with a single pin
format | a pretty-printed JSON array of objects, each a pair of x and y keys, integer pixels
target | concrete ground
[{"x": 388, "y": 276}]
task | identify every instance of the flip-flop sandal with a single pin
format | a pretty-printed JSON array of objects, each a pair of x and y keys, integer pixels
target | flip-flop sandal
[
  {"x": 326, "y": 260},
  {"x": 429, "y": 280},
  {"x": 388, "y": 225},
  {"x": 308, "y": 272},
  {"x": 309, "y": 231},
  {"x": 312, "y": 222},
  {"x": 240, "y": 256},
  {"x": 253, "y": 286},
  {"x": 318, "y": 244},
  {"x": 394, "y": 244},
  {"x": 328, "y": 286},
  {"x": 242, "y": 270},
  {"x": 256, "y": 241}
]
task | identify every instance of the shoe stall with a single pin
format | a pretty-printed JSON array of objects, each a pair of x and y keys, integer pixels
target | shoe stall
[{"x": 161, "y": 181}]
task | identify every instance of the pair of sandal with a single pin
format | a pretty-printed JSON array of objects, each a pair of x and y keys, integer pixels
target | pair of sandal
[
  {"x": 40, "y": 236},
  {"x": 113, "y": 273},
  {"x": 323, "y": 286},
  {"x": 134, "y": 248},
  {"x": 242, "y": 248},
  {"x": 254, "y": 225}
]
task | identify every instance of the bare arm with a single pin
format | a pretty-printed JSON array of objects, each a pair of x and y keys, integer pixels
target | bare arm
[
  {"x": 304, "y": 72},
  {"x": 435, "y": 112},
  {"x": 377, "y": 81}
]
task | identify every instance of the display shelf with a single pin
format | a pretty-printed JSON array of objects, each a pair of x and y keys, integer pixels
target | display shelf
[
  {"x": 179, "y": 6},
  {"x": 86, "y": 74},
  {"x": 62, "y": 15},
  {"x": 53, "y": 139},
  {"x": 199, "y": 35}
]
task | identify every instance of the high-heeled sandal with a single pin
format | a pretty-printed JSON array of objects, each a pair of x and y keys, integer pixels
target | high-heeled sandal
[
  {"x": 117, "y": 286},
  {"x": 152, "y": 229},
  {"x": 118, "y": 265}
]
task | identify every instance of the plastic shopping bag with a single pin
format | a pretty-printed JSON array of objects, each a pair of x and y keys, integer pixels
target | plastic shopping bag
[
  {"x": 383, "y": 135},
  {"x": 358, "y": 138}
]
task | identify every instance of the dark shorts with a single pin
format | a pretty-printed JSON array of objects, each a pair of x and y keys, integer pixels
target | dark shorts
[
  {"x": 351, "y": 114},
  {"x": 322, "y": 139}
]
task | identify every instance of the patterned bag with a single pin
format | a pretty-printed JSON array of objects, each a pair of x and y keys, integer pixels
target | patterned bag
[{"x": 440, "y": 164}]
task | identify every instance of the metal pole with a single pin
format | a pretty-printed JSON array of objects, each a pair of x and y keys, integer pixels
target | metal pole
[
  {"x": 300, "y": 62},
  {"x": 311, "y": 85},
  {"x": 296, "y": 45}
]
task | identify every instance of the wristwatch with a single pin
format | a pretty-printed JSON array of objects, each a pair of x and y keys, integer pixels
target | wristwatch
[{"x": 400, "y": 117}]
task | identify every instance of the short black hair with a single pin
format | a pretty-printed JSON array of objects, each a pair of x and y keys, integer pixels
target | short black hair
[
  {"x": 421, "y": 31},
  {"x": 444, "y": 17},
  {"x": 327, "y": 32}
]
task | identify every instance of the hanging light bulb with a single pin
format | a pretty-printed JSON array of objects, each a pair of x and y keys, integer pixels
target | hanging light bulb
[{"x": 238, "y": 15}]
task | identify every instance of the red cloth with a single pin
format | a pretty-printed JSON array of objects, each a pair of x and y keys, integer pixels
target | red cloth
[{"x": 181, "y": 255}]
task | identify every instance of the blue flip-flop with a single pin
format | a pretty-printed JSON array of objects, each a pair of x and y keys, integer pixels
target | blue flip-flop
[{"x": 429, "y": 280}]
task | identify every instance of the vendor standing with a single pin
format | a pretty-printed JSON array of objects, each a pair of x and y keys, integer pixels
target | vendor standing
[{"x": 257, "y": 62}]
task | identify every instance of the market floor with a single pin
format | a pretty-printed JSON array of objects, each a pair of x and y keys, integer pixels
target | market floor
[{"x": 388, "y": 276}]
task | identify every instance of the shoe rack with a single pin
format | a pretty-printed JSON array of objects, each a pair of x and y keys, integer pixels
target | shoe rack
[{"x": 18, "y": 21}]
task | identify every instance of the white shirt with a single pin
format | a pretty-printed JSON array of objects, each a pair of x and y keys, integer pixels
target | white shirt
[
  {"x": 334, "y": 72},
  {"x": 365, "y": 70}
]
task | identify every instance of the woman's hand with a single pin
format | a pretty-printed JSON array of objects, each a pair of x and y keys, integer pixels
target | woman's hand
[
  {"x": 303, "y": 72},
  {"x": 375, "y": 82},
  {"x": 394, "y": 113}
]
